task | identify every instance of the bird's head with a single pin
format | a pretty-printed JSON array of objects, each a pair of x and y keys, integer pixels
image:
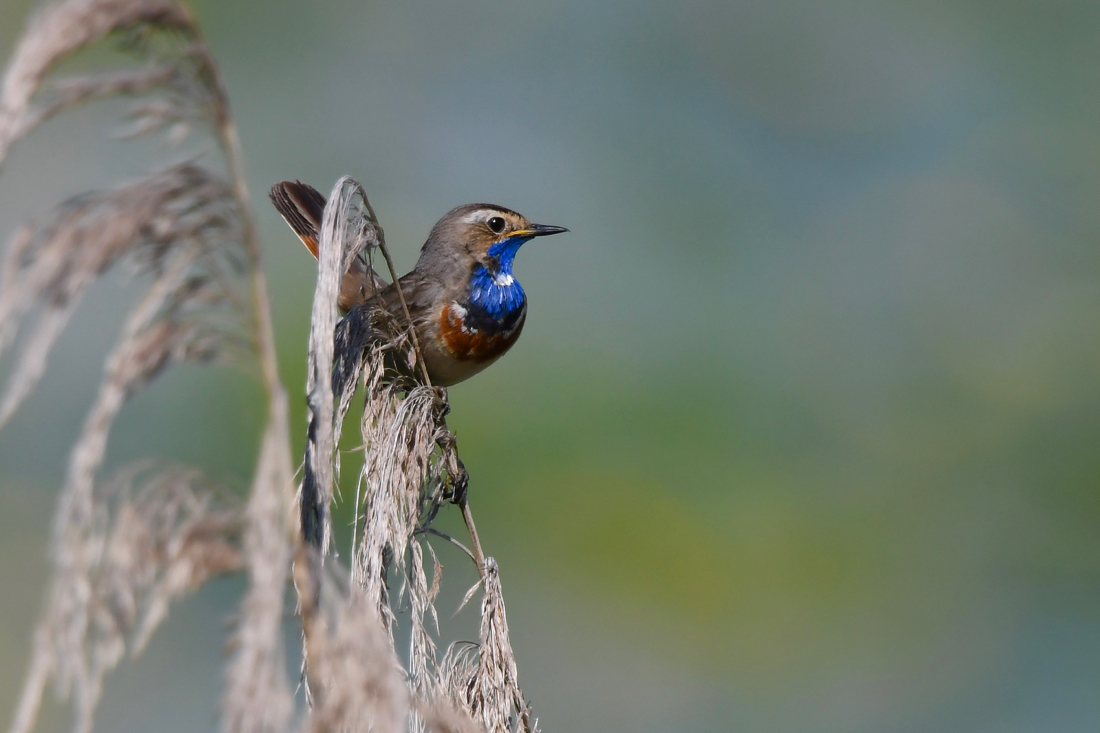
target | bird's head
[{"x": 481, "y": 234}]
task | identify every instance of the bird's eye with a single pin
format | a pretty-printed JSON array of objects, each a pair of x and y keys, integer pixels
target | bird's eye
[{"x": 496, "y": 224}]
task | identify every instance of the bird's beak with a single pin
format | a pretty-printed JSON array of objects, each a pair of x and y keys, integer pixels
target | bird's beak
[{"x": 539, "y": 230}]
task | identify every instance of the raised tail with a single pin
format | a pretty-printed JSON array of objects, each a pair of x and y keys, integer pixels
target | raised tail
[{"x": 303, "y": 208}]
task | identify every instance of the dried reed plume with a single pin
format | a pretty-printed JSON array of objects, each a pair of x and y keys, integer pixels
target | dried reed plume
[
  {"x": 189, "y": 228},
  {"x": 124, "y": 547}
]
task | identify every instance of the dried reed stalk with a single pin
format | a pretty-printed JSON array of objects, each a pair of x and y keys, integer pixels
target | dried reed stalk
[
  {"x": 123, "y": 549},
  {"x": 56, "y": 32},
  {"x": 174, "y": 322},
  {"x": 484, "y": 684},
  {"x": 352, "y": 231},
  {"x": 355, "y": 679},
  {"x": 121, "y": 556}
]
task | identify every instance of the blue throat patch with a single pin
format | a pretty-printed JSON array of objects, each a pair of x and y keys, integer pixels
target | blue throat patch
[{"x": 498, "y": 294}]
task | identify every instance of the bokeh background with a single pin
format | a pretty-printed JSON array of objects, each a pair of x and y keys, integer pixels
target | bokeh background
[{"x": 803, "y": 433}]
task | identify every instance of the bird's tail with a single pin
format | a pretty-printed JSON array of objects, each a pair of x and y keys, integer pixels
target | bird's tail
[{"x": 303, "y": 208}]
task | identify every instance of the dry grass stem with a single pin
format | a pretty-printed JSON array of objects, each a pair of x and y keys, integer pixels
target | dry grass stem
[
  {"x": 50, "y": 267},
  {"x": 483, "y": 680},
  {"x": 349, "y": 231},
  {"x": 151, "y": 534},
  {"x": 124, "y": 549},
  {"x": 422, "y": 646},
  {"x": 399, "y": 437},
  {"x": 161, "y": 330},
  {"x": 259, "y": 697},
  {"x": 55, "y": 33},
  {"x": 442, "y": 716},
  {"x": 357, "y": 683},
  {"x": 190, "y": 229}
]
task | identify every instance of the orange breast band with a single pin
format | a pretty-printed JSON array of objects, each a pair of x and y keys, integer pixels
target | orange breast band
[{"x": 472, "y": 344}]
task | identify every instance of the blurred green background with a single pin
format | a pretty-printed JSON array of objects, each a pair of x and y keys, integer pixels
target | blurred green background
[{"x": 803, "y": 433}]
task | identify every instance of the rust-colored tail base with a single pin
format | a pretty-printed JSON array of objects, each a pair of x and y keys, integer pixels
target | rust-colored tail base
[{"x": 303, "y": 208}]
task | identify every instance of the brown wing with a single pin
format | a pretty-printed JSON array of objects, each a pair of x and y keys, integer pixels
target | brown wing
[{"x": 303, "y": 207}]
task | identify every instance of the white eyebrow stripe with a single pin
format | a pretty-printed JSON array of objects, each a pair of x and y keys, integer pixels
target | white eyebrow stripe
[{"x": 476, "y": 216}]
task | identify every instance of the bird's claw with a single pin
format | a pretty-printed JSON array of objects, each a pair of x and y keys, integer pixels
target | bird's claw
[{"x": 460, "y": 482}]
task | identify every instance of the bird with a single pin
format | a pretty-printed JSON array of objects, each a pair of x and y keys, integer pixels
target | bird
[{"x": 465, "y": 303}]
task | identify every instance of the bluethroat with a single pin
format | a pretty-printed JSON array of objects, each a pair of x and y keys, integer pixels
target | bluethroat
[{"x": 466, "y": 305}]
